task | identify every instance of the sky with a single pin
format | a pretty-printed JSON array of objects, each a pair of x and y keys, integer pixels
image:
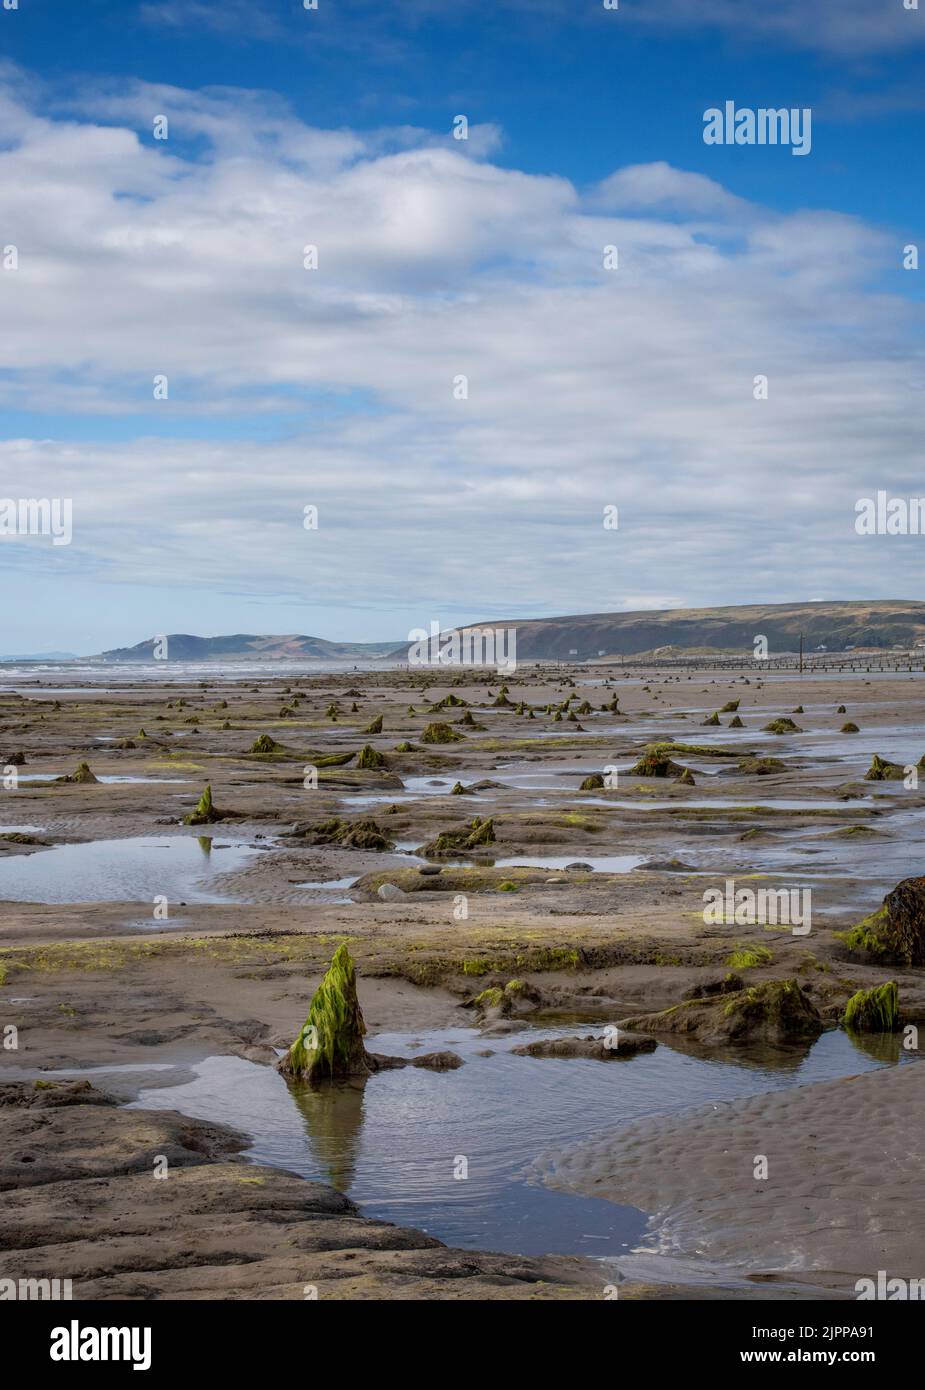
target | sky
[{"x": 461, "y": 379}]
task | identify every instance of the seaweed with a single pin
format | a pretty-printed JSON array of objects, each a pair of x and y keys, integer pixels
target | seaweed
[{"x": 873, "y": 1010}]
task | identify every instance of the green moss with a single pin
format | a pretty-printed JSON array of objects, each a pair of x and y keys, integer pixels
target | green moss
[
  {"x": 748, "y": 957},
  {"x": 730, "y": 707},
  {"x": 557, "y": 958},
  {"x": 404, "y": 747},
  {"x": 868, "y": 935},
  {"x": 507, "y": 887},
  {"x": 375, "y": 727},
  {"x": 712, "y": 719},
  {"x": 489, "y": 999},
  {"x": 782, "y": 726},
  {"x": 873, "y": 1010},
  {"x": 479, "y": 966}
]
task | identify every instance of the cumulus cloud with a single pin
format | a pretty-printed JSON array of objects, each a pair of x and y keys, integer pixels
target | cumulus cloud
[{"x": 339, "y": 387}]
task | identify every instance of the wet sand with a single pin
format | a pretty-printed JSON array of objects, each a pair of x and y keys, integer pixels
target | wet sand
[{"x": 107, "y": 981}]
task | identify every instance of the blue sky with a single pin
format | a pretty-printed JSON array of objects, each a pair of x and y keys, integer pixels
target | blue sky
[{"x": 440, "y": 258}]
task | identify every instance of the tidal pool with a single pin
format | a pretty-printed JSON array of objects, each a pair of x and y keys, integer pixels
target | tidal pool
[
  {"x": 178, "y": 867},
  {"x": 395, "y": 1142}
]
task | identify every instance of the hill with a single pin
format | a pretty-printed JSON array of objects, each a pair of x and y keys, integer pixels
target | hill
[
  {"x": 837, "y": 627},
  {"x": 243, "y": 646}
]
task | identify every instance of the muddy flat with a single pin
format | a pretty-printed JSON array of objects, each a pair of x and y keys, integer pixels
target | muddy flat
[{"x": 506, "y": 870}]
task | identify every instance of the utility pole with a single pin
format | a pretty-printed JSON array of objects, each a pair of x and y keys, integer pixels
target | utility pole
[{"x": 801, "y": 653}]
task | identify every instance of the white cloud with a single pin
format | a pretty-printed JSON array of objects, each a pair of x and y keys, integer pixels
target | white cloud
[{"x": 586, "y": 387}]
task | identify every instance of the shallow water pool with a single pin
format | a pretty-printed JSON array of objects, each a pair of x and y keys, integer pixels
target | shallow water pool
[
  {"x": 139, "y": 869},
  {"x": 395, "y": 1142}
]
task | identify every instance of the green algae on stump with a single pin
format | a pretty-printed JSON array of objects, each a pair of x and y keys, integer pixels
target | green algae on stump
[
  {"x": 265, "y": 744},
  {"x": 83, "y": 774},
  {"x": 360, "y": 834},
  {"x": 205, "y": 812},
  {"x": 375, "y": 727},
  {"x": 473, "y": 836},
  {"x": 370, "y": 758},
  {"x": 772, "y": 1012},
  {"x": 655, "y": 762},
  {"x": 896, "y": 931},
  {"x": 330, "y": 1041},
  {"x": 782, "y": 726},
  {"x": 440, "y": 733},
  {"x": 882, "y": 770},
  {"x": 873, "y": 1010}
]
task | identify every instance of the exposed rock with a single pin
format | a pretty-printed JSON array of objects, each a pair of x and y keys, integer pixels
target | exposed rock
[
  {"x": 391, "y": 893},
  {"x": 617, "y": 1043}
]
